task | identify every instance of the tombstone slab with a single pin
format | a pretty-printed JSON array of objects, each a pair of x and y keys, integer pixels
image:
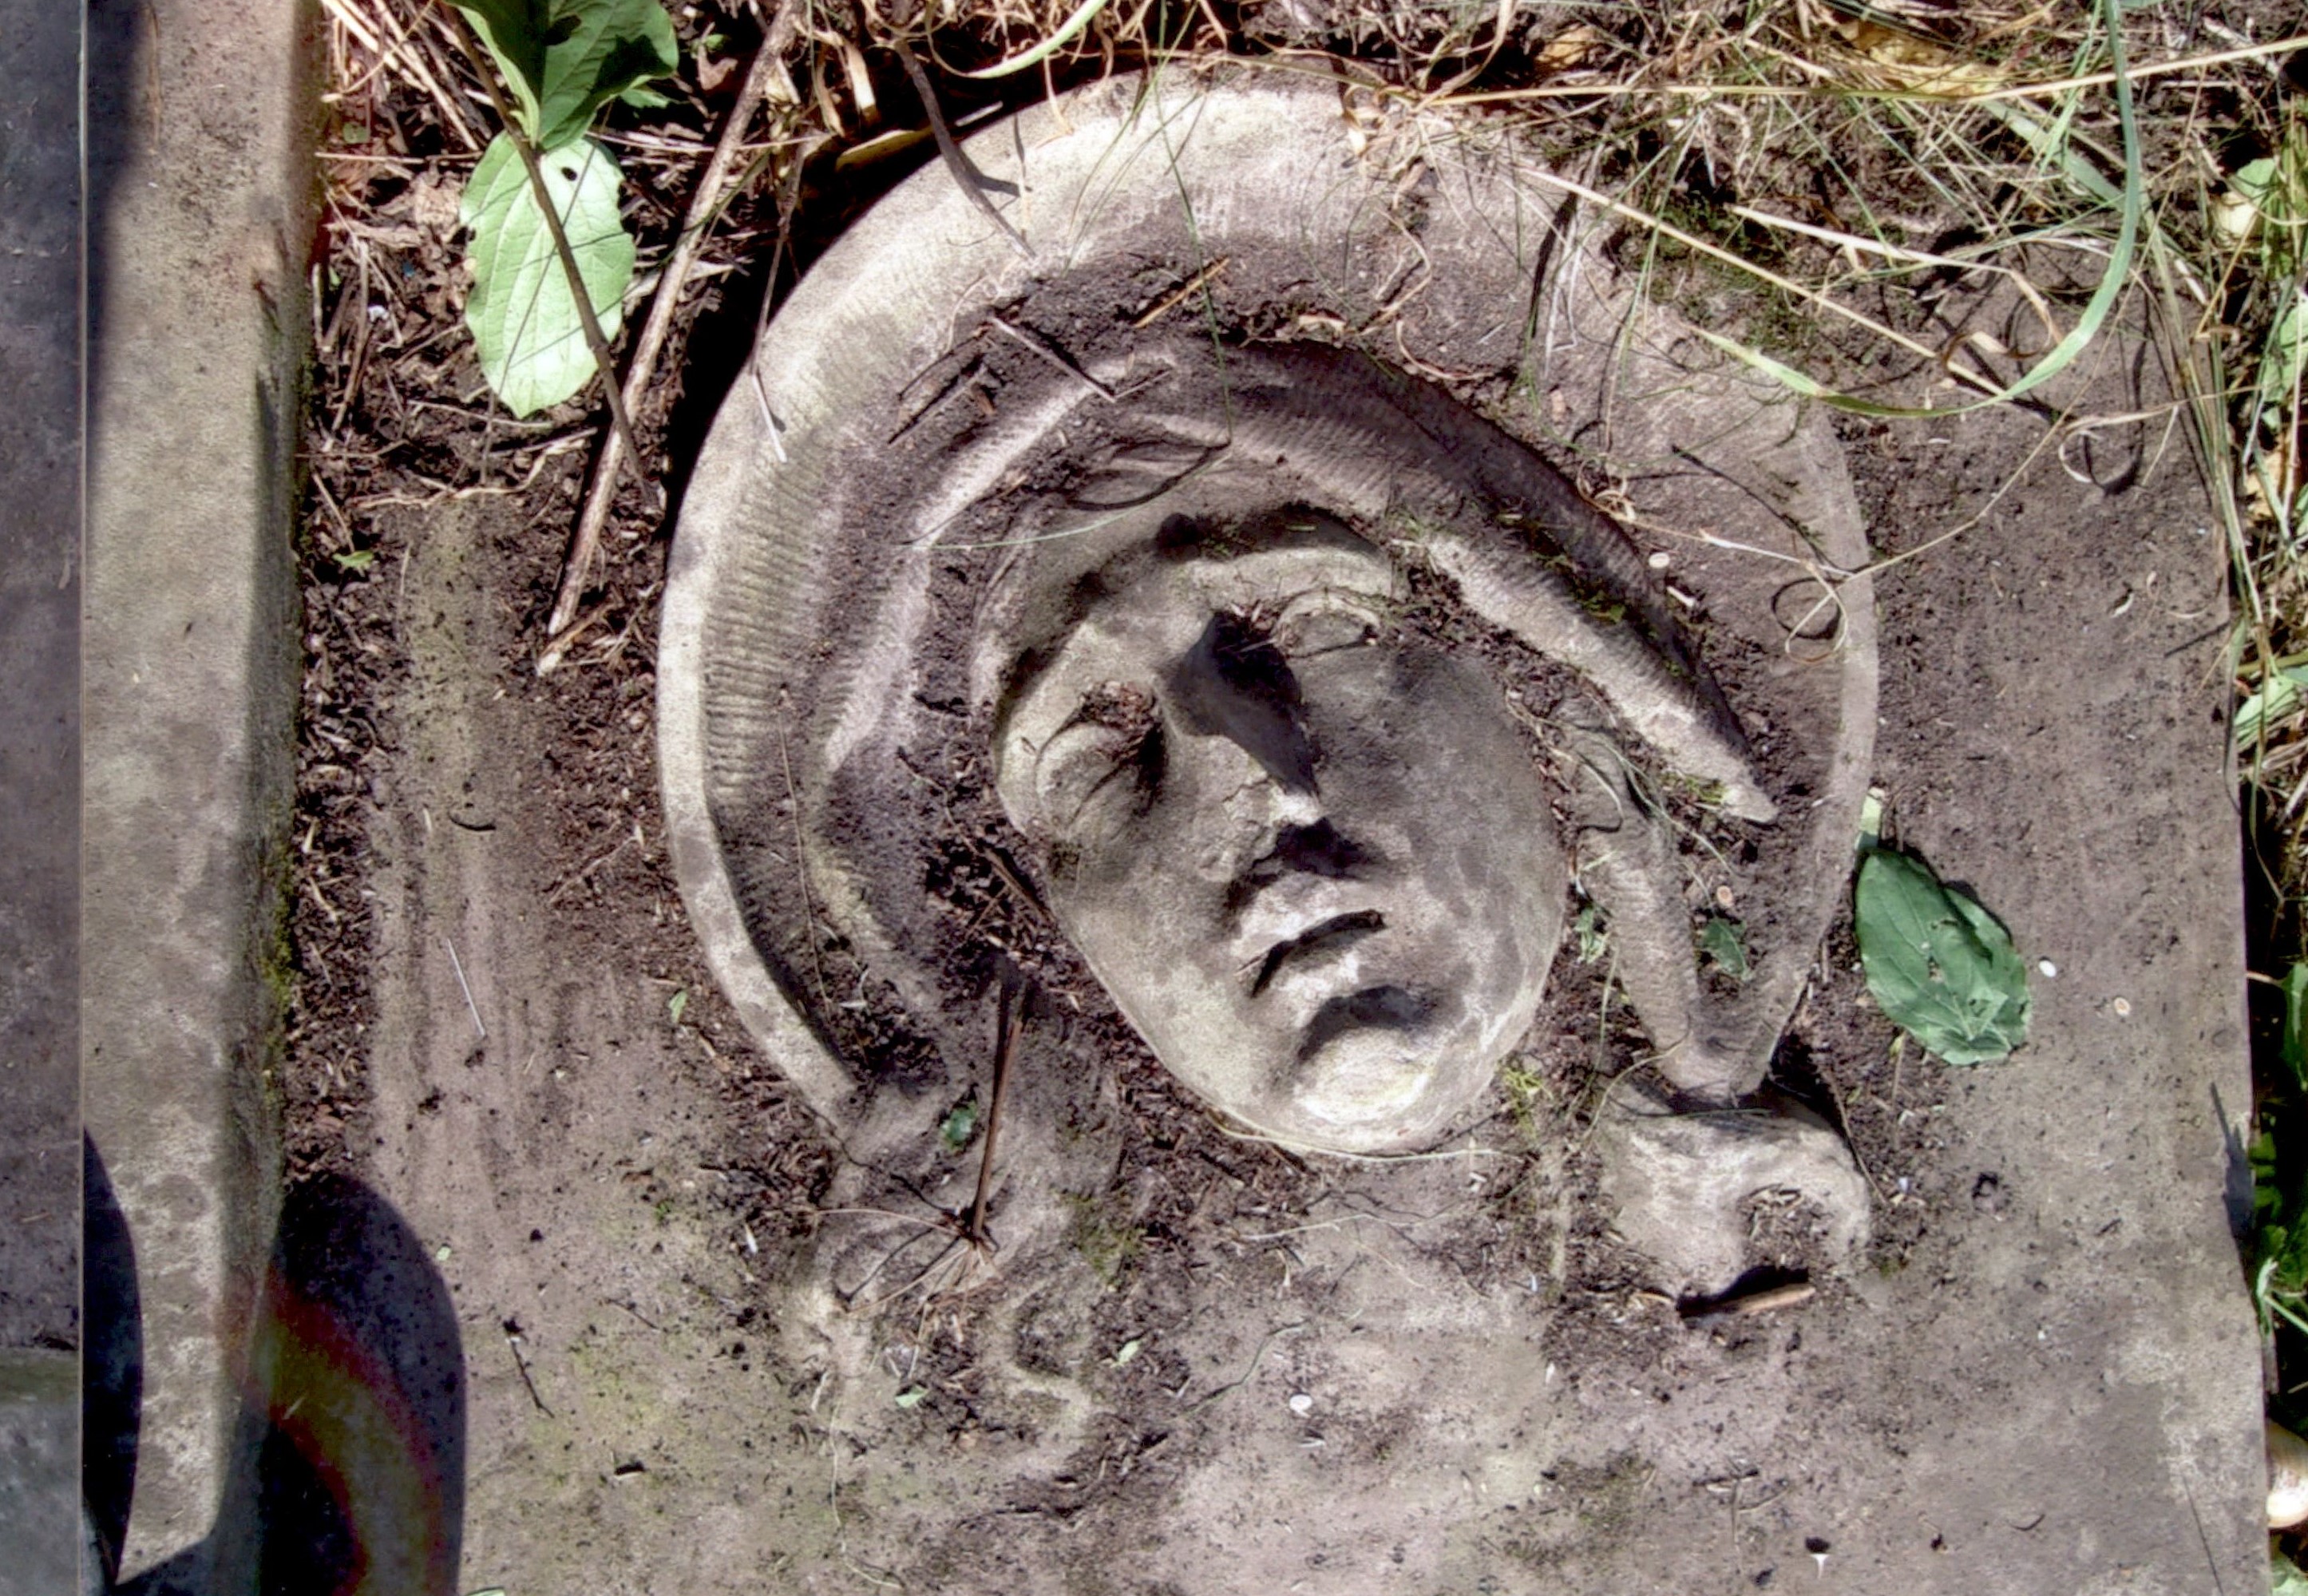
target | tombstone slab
[{"x": 1163, "y": 1353}]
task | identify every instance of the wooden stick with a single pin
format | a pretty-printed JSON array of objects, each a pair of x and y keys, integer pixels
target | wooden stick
[
  {"x": 1009, "y": 1015},
  {"x": 705, "y": 203}
]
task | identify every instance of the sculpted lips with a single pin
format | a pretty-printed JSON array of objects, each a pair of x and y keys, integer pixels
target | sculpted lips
[{"x": 1324, "y": 938}]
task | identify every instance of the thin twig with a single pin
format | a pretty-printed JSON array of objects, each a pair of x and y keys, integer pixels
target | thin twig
[
  {"x": 1010, "y": 1015},
  {"x": 579, "y": 293},
  {"x": 513, "y": 1345},
  {"x": 956, "y": 163},
  {"x": 1054, "y": 358},
  {"x": 1256, "y": 1358},
  {"x": 1179, "y": 294},
  {"x": 705, "y": 203}
]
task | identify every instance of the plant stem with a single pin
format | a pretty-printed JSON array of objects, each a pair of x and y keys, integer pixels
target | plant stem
[
  {"x": 704, "y": 206},
  {"x": 956, "y": 162}
]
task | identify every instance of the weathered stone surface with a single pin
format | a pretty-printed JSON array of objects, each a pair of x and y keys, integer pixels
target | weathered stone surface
[
  {"x": 199, "y": 166},
  {"x": 40, "y": 1465},
  {"x": 39, "y": 796},
  {"x": 40, "y": 662},
  {"x": 2049, "y": 1385},
  {"x": 1680, "y": 1174}
]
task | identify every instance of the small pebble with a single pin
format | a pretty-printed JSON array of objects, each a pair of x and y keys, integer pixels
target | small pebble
[
  {"x": 2047, "y": 967},
  {"x": 2123, "y": 1006},
  {"x": 1302, "y": 1404},
  {"x": 1659, "y": 559}
]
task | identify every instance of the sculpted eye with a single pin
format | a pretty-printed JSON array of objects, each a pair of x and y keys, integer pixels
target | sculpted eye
[
  {"x": 1105, "y": 760},
  {"x": 1325, "y": 621}
]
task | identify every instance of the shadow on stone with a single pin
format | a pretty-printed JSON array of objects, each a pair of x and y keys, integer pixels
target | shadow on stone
[
  {"x": 112, "y": 1374},
  {"x": 361, "y": 1473}
]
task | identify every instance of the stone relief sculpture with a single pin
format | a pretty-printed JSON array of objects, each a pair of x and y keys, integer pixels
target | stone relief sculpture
[{"x": 1252, "y": 653}]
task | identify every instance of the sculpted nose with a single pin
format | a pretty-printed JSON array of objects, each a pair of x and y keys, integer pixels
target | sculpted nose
[{"x": 1240, "y": 691}]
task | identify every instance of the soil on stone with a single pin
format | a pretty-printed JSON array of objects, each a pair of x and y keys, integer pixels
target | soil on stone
[{"x": 400, "y": 424}]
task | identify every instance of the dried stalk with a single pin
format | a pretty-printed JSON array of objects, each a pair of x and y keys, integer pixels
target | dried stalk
[{"x": 704, "y": 204}]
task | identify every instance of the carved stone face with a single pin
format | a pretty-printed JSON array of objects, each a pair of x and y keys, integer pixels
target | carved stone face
[{"x": 1307, "y": 853}]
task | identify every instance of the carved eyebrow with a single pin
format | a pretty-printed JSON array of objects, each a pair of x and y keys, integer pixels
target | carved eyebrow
[{"x": 1123, "y": 753}]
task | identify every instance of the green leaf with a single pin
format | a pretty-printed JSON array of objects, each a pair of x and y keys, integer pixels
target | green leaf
[
  {"x": 1593, "y": 938},
  {"x": 2275, "y": 700},
  {"x": 677, "y": 1004},
  {"x": 513, "y": 32},
  {"x": 566, "y": 59},
  {"x": 357, "y": 561},
  {"x": 1939, "y": 964},
  {"x": 1724, "y": 941},
  {"x": 960, "y": 1125},
  {"x": 523, "y": 314},
  {"x": 911, "y": 1395},
  {"x": 2296, "y": 1023},
  {"x": 2255, "y": 178},
  {"x": 2284, "y": 1576},
  {"x": 2282, "y": 357}
]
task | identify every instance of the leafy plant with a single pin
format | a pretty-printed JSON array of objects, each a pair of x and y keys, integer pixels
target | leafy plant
[
  {"x": 1593, "y": 938},
  {"x": 1724, "y": 941},
  {"x": 562, "y": 61},
  {"x": 2295, "y": 1040},
  {"x": 522, "y": 311},
  {"x": 1943, "y": 968},
  {"x": 565, "y": 59},
  {"x": 2279, "y": 1237},
  {"x": 2284, "y": 1576},
  {"x": 960, "y": 1125},
  {"x": 2275, "y": 699}
]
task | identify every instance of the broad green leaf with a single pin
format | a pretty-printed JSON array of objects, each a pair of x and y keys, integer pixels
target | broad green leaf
[
  {"x": 566, "y": 59},
  {"x": 1939, "y": 964},
  {"x": 523, "y": 314},
  {"x": 911, "y": 1395},
  {"x": 2255, "y": 178},
  {"x": 1724, "y": 941},
  {"x": 2284, "y": 1576},
  {"x": 514, "y": 31}
]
